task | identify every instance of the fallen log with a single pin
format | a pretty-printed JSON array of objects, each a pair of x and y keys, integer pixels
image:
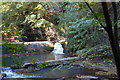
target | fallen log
[{"x": 51, "y": 63}]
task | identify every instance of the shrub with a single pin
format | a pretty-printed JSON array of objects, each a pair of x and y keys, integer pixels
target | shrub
[{"x": 13, "y": 48}]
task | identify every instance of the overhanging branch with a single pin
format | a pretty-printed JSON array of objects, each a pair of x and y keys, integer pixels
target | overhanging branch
[{"x": 93, "y": 14}]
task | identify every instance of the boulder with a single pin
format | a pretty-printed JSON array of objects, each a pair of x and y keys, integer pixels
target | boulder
[{"x": 2, "y": 75}]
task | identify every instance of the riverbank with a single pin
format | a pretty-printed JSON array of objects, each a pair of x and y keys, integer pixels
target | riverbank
[{"x": 41, "y": 53}]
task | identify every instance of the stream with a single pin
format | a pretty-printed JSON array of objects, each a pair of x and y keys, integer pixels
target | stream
[
  {"x": 52, "y": 72},
  {"x": 59, "y": 71},
  {"x": 10, "y": 74},
  {"x": 9, "y": 60}
]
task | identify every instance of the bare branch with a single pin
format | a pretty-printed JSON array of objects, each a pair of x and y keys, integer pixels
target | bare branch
[{"x": 93, "y": 13}]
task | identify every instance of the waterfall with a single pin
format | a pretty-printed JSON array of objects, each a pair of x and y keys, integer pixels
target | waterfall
[{"x": 58, "y": 51}]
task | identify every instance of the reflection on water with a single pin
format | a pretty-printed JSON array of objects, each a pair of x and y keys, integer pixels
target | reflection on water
[
  {"x": 15, "y": 59},
  {"x": 50, "y": 72}
]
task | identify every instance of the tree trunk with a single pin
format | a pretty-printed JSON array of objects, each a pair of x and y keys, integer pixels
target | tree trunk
[
  {"x": 112, "y": 32},
  {"x": 112, "y": 38},
  {"x": 53, "y": 62},
  {"x": 115, "y": 24}
]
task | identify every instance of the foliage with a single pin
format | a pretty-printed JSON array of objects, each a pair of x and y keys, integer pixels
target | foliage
[
  {"x": 41, "y": 66},
  {"x": 21, "y": 17},
  {"x": 78, "y": 35},
  {"x": 12, "y": 35},
  {"x": 18, "y": 61},
  {"x": 70, "y": 12},
  {"x": 68, "y": 18},
  {"x": 99, "y": 50},
  {"x": 13, "y": 48}
]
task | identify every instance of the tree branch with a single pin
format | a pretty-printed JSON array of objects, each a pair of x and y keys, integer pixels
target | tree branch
[
  {"x": 93, "y": 13},
  {"x": 112, "y": 39}
]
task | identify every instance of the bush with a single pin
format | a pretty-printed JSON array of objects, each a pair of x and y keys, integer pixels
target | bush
[
  {"x": 96, "y": 51},
  {"x": 13, "y": 48},
  {"x": 79, "y": 34}
]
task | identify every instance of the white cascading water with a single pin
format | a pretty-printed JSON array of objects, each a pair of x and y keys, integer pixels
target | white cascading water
[
  {"x": 10, "y": 74},
  {"x": 58, "y": 51}
]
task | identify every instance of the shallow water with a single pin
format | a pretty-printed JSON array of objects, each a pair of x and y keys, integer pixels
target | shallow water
[
  {"x": 25, "y": 58},
  {"x": 52, "y": 72},
  {"x": 10, "y": 74},
  {"x": 59, "y": 71}
]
